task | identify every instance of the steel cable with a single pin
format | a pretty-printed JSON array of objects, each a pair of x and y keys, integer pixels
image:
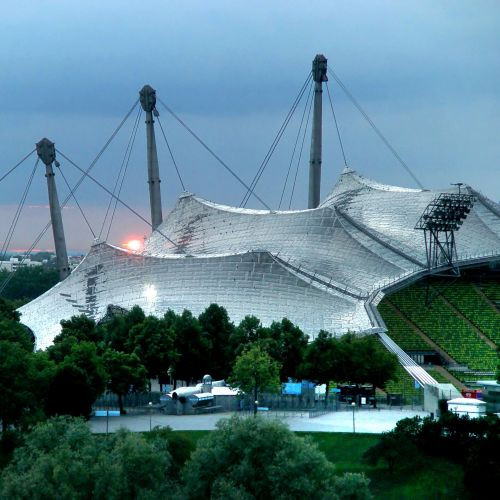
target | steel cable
[
  {"x": 77, "y": 185},
  {"x": 229, "y": 169},
  {"x": 171, "y": 154},
  {"x": 301, "y": 149},
  {"x": 115, "y": 197},
  {"x": 375, "y": 128},
  {"x": 295, "y": 145},
  {"x": 76, "y": 201},
  {"x": 16, "y": 165},
  {"x": 134, "y": 126},
  {"x": 123, "y": 176},
  {"x": 276, "y": 140},
  {"x": 336, "y": 124},
  {"x": 17, "y": 214}
]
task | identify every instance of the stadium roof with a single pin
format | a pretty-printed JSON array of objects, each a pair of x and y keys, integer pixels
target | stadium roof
[{"x": 323, "y": 268}]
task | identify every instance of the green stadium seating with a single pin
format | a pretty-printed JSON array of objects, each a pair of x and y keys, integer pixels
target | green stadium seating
[
  {"x": 465, "y": 297},
  {"x": 440, "y": 323},
  {"x": 400, "y": 331}
]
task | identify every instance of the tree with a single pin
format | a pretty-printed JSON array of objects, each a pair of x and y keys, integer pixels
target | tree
[
  {"x": 84, "y": 356},
  {"x": 217, "y": 329},
  {"x": 253, "y": 458},
  {"x": 349, "y": 359},
  {"x": 116, "y": 331},
  {"x": 77, "y": 329},
  {"x": 12, "y": 331},
  {"x": 16, "y": 382},
  {"x": 7, "y": 311},
  {"x": 79, "y": 380},
  {"x": 62, "y": 459},
  {"x": 192, "y": 346},
  {"x": 288, "y": 347},
  {"x": 153, "y": 343},
  {"x": 393, "y": 448},
  {"x": 70, "y": 393},
  {"x": 125, "y": 372},
  {"x": 367, "y": 361},
  {"x": 255, "y": 371},
  {"x": 28, "y": 283},
  {"x": 249, "y": 331},
  {"x": 81, "y": 327},
  {"x": 323, "y": 360}
]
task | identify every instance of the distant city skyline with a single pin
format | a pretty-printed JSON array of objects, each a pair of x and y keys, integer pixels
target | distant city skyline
[{"x": 426, "y": 72}]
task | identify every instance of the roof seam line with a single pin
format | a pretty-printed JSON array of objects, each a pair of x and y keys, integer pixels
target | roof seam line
[
  {"x": 312, "y": 277},
  {"x": 379, "y": 240}
]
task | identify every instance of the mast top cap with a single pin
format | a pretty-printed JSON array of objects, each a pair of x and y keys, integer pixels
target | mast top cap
[
  {"x": 319, "y": 67},
  {"x": 46, "y": 151},
  {"x": 147, "y": 97}
]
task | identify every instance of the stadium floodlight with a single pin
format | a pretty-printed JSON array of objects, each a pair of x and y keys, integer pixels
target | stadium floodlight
[{"x": 442, "y": 217}]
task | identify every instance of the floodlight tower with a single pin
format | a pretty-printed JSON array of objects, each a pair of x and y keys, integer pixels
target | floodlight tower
[
  {"x": 148, "y": 102},
  {"x": 441, "y": 219},
  {"x": 46, "y": 151},
  {"x": 319, "y": 67}
]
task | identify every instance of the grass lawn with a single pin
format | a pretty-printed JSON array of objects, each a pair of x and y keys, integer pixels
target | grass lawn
[{"x": 433, "y": 478}]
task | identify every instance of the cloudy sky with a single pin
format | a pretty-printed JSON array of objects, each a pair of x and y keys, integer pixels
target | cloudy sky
[{"x": 427, "y": 73}]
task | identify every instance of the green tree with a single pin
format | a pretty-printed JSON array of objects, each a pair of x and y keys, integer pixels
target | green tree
[
  {"x": 27, "y": 283},
  {"x": 16, "y": 382},
  {"x": 85, "y": 356},
  {"x": 249, "y": 331},
  {"x": 217, "y": 329},
  {"x": 76, "y": 330},
  {"x": 367, "y": 361},
  {"x": 62, "y": 459},
  {"x": 192, "y": 347},
  {"x": 81, "y": 327},
  {"x": 125, "y": 372},
  {"x": 255, "y": 371},
  {"x": 70, "y": 393},
  {"x": 13, "y": 331},
  {"x": 323, "y": 361},
  {"x": 153, "y": 343},
  {"x": 79, "y": 380},
  {"x": 253, "y": 458},
  {"x": 7, "y": 311},
  {"x": 116, "y": 331},
  {"x": 288, "y": 345}
]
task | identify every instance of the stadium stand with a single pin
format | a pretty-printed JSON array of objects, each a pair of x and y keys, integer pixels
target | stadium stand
[
  {"x": 400, "y": 331},
  {"x": 466, "y": 298},
  {"x": 443, "y": 326}
]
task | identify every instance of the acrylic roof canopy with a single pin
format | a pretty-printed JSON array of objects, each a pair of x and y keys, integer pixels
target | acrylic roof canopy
[{"x": 323, "y": 268}]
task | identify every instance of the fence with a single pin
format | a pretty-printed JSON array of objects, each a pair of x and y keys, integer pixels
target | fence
[{"x": 109, "y": 401}]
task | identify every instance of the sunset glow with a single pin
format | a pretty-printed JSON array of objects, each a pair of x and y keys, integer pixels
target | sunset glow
[{"x": 134, "y": 245}]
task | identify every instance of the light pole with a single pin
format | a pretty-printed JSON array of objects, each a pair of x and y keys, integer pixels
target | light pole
[
  {"x": 170, "y": 372},
  {"x": 353, "y": 404},
  {"x": 150, "y": 404}
]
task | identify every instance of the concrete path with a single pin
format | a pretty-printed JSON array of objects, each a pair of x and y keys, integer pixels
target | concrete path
[{"x": 365, "y": 420}]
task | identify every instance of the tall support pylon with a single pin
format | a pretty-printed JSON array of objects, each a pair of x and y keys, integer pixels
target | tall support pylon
[
  {"x": 46, "y": 151},
  {"x": 148, "y": 102},
  {"x": 319, "y": 67}
]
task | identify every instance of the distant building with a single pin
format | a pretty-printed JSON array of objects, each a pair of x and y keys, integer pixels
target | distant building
[{"x": 14, "y": 263}]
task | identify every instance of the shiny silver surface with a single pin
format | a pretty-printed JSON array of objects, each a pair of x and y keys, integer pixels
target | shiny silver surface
[{"x": 323, "y": 268}]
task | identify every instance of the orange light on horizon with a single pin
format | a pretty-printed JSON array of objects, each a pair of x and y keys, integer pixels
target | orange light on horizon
[{"x": 134, "y": 245}]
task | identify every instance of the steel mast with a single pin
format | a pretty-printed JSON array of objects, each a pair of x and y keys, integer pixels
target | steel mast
[
  {"x": 148, "y": 102},
  {"x": 45, "y": 150},
  {"x": 319, "y": 67}
]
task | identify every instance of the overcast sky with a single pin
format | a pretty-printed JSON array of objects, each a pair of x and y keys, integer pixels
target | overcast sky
[{"x": 427, "y": 73}]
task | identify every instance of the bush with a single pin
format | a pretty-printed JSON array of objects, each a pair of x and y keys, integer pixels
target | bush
[
  {"x": 62, "y": 459},
  {"x": 254, "y": 458}
]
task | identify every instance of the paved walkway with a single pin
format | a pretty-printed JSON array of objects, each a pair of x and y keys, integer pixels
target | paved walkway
[{"x": 366, "y": 420}]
